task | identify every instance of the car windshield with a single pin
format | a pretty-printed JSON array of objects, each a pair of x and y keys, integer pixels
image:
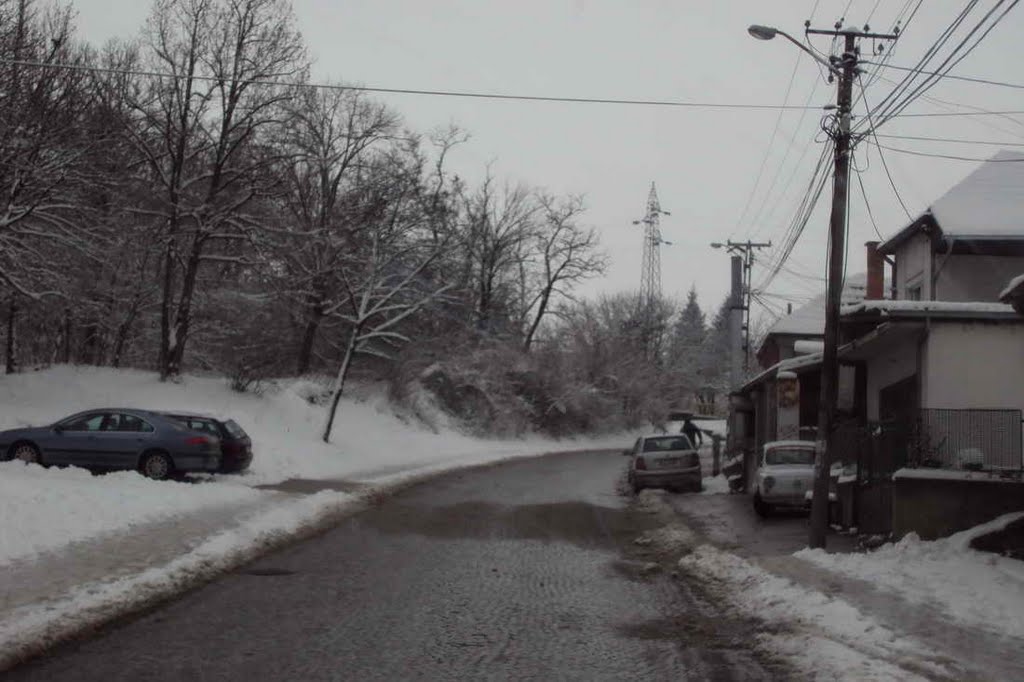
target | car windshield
[
  {"x": 789, "y": 456},
  {"x": 667, "y": 443}
]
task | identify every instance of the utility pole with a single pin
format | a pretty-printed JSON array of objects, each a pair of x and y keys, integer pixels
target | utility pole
[
  {"x": 744, "y": 252},
  {"x": 825, "y": 444},
  {"x": 844, "y": 68}
]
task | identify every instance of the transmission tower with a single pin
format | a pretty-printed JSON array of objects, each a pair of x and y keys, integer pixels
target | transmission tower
[{"x": 650, "y": 273}]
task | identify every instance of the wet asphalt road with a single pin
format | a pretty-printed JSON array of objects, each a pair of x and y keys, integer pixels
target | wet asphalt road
[{"x": 527, "y": 570}]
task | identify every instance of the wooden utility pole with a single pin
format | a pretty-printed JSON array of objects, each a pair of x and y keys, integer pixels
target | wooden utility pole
[{"x": 846, "y": 73}]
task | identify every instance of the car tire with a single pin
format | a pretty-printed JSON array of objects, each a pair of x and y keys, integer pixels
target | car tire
[
  {"x": 156, "y": 465},
  {"x": 26, "y": 452},
  {"x": 762, "y": 508}
]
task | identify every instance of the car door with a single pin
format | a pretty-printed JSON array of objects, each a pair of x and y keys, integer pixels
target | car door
[
  {"x": 124, "y": 436},
  {"x": 76, "y": 441}
]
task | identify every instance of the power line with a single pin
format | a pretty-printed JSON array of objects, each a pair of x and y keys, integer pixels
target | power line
[
  {"x": 872, "y": 129},
  {"x": 969, "y": 79},
  {"x": 867, "y": 204},
  {"x": 951, "y": 140},
  {"x": 953, "y": 157},
  {"x": 771, "y": 142},
  {"x": 411, "y": 91}
]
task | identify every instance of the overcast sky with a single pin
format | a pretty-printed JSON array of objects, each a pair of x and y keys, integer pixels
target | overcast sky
[{"x": 704, "y": 161}]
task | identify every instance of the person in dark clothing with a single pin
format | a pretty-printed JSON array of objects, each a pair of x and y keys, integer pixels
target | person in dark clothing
[{"x": 691, "y": 431}]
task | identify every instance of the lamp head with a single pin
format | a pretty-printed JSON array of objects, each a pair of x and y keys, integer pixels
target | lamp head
[{"x": 762, "y": 32}]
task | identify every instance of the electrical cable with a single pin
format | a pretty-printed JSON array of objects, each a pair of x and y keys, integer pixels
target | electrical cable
[
  {"x": 969, "y": 79},
  {"x": 872, "y": 128},
  {"x": 952, "y": 157},
  {"x": 410, "y": 91}
]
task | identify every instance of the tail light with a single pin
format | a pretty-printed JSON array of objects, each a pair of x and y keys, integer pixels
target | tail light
[
  {"x": 640, "y": 463},
  {"x": 202, "y": 441}
]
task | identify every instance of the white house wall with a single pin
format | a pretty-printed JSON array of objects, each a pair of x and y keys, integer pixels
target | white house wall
[
  {"x": 883, "y": 371},
  {"x": 974, "y": 278},
  {"x": 913, "y": 266},
  {"x": 974, "y": 365}
]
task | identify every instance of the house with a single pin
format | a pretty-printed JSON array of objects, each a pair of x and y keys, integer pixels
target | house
[
  {"x": 942, "y": 365},
  {"x": 780, "y": 401}
]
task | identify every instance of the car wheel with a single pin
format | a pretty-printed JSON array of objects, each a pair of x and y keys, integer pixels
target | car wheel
[
  {"x": 27, "y": 453},
  {"x": 156, "y": 465},
  {"x": 762, "y": 508}
]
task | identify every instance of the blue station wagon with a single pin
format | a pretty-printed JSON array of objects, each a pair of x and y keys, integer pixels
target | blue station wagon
[{"x": 154, "y": 445}]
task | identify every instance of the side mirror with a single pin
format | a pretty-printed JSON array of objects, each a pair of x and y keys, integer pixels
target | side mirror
[
  {"x": 627, "y": 452},
  {"x": 58, "y": 429}
]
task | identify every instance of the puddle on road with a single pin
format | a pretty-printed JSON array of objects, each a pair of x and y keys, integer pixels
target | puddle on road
[{"x": 579, "y": 523}]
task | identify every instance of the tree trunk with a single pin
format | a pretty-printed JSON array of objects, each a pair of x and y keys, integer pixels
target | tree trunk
[
  {"x": 66, "y": 352},
  {"x": 12, "y": 315},
  {"x": 339, "y": 382},
  {"x": 314, "y": 316},
  {"x": 542, "y": 307},
  {"x": 183, "y": 318},
  {"x": 163, "y": 361}
]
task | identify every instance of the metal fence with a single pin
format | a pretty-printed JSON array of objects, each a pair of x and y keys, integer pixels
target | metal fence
[{"x": 980, "y": 440}]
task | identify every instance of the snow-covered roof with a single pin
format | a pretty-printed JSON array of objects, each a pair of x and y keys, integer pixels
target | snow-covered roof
[
  {"x": 987, "y": 204},
  {"x": 1014, "y": 289},
  {"x": 931, "y": 308},
  {"x": 787, "y": 365},
  {"x": 807, "y": 346},
  {"x": 809, "y": 319}
]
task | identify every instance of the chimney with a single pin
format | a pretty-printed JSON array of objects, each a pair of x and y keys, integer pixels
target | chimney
[{"x": 876, "y": 273}]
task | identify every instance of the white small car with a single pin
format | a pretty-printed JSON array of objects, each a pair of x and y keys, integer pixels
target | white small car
[
  {"x": 664, "y": 461},
  {"x": 785, "y": 473}
]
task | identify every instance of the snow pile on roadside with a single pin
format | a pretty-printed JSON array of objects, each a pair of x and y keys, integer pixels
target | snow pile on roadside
[
  {"x": 976, "y": 588},
  {"x": 31, "y": 629},
  {"x": 715, "y": 485},
  {"x": 824, "y": 637},
  {"x": 43, "y": 509}
]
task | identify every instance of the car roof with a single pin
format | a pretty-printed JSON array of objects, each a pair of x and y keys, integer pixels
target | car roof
[{"x": 191, "y": 415}]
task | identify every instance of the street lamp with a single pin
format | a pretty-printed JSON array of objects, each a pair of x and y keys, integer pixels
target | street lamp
[{"x": 768, "y": 32}]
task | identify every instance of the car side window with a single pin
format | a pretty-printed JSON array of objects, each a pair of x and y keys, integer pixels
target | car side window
[
  {"x": 120, "y": 421},
  {"x": 203, "y": 425},
  {"x": 88, "y": 422}
]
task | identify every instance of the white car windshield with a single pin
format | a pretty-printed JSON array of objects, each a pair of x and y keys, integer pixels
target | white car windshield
[{"x": 789, "y": 456}]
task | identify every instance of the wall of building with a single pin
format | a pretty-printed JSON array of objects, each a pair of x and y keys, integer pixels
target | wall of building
[
  {"x": 974, "y": 278},
  {"x": 974, "y": 365},
  {"x": 938, "y": 508},
  {"x": 888, "y": 369},
  {"x": 913, "y": 266}
]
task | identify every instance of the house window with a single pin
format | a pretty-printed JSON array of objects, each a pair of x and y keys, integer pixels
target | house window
[{"x": 914, "y": 293}]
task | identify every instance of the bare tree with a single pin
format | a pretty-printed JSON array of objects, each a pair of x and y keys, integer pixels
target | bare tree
[
  {"x": 567, "y": 254},
  {"x": 198, "y": 133},
  {"x": 389, "y": 280},
  {"x": 328, "y": 133},
  {"x": 498, "y": 227}
]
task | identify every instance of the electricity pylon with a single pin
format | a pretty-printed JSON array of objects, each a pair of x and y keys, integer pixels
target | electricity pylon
[{"x": 650, "y": 272}]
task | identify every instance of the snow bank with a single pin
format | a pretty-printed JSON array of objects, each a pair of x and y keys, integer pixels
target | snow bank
[
  {"x": 30, "y": 630},
  {"x": 823, "y": 636},
  {"x": 43, "y": 509},
  {"x": 979, "y": 589}
]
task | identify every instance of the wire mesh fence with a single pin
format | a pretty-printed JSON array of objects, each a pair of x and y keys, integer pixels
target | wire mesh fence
[{"x": 972, "y": 440}]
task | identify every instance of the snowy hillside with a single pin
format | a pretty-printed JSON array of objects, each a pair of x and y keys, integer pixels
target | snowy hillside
[{"x": 44, "y": 509}]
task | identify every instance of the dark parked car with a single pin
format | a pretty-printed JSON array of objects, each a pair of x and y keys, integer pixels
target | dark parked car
[
  {"x": 235, "y": 444},
  {"x": 155, "y": 445}
]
